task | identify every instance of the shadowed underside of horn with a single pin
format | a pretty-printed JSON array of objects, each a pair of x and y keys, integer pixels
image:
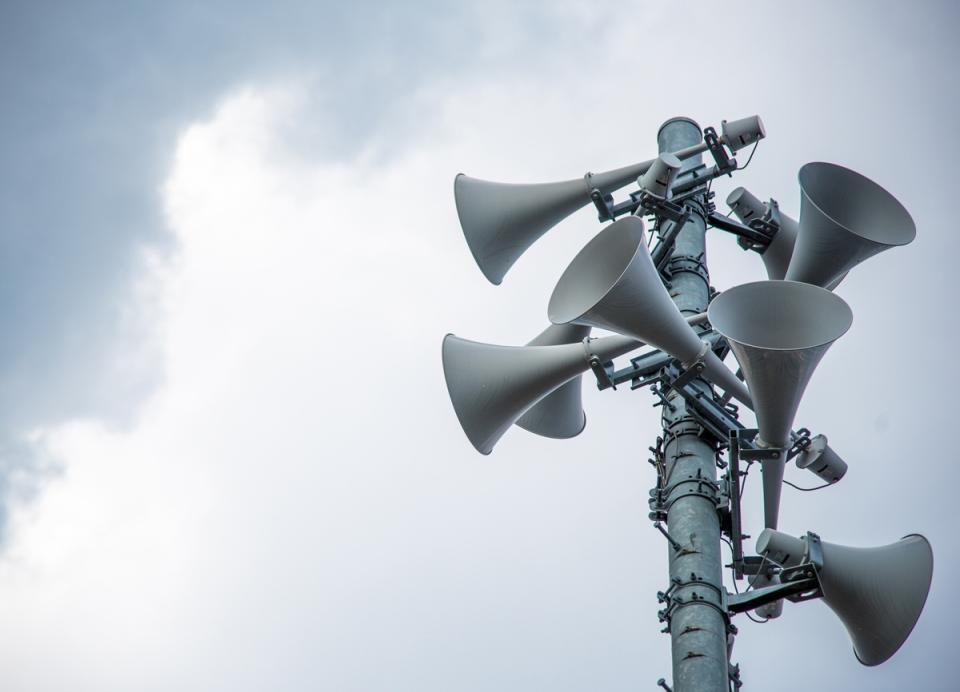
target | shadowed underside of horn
[
  {"x": 559, "y": 415},
  {"x": 845, "y": 218}
]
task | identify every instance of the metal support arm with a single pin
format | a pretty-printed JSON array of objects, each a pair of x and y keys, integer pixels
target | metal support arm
[
  {"x": 799, "y": 583},
  {"x": 755, "y": 238}
]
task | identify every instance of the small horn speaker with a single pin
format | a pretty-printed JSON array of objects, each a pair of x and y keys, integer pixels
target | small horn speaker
[
  {"x": 776, "y": 258},
  {"x": 845, "y": 218},
  {"x": 500, "y": 221},
  {"x": 878, "y": 593},
  {"x": 819, "y": 458},
  {"x": 773, "y": 610},
  {"x": 491, "y": 386},
  {"x": 559, "y": 414},
  {"x": 660, "y": 176},
  {"x": 778, "y": 331},
  {"x": 612, "y": 284},
  {"x": 737, "y": 134}
]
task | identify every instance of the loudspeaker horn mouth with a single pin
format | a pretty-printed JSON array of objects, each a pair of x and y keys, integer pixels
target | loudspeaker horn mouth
[
  {"x": 493, "y": 273},
  {"x": 780, "y": 315},
  {"x": 878, "y": 593},
  {"x": 451, "y": 341},
  {"x": 582, "y": 286},
  {"x": 856, "y": 203}
]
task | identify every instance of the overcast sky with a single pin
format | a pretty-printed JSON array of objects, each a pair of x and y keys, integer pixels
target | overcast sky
[{"x": 229, "y": 253}]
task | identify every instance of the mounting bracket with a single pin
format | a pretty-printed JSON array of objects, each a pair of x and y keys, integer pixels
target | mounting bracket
[
  {"x": 725, "y": 164},
  {"x": 601, "y": 370},
  {"x": 800, "y": 583}
]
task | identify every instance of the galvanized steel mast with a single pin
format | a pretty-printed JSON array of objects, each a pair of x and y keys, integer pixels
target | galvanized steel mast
[{"x": 695, "y": 615}]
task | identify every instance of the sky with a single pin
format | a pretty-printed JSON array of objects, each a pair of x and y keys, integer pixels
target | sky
[{"x": 229, "y": 253}]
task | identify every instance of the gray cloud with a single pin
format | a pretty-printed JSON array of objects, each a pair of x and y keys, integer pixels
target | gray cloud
[{"x": 94, "y": 95}]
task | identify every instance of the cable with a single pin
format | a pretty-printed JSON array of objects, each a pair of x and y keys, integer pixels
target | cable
[
  {"x": 750, "y": 158},
  {"x": 807, "y": 490},
  {"x": 744, "y": 474},
  {"x": 759, "y": 570},
  {"x": 727, "y": 541},
  {"x": 759, "y": 621},
  {"x": 750, "y": 586},
  {"x": 736, "y": 588}
]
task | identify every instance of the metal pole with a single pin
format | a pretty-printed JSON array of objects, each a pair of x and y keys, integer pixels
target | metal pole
[{"x": 695, "y": 617}]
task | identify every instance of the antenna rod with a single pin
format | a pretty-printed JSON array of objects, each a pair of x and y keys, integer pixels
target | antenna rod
[{"x": 695, "y": 616}]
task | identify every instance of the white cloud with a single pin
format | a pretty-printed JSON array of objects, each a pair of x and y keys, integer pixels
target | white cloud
[{"x": 297, "y": 496}]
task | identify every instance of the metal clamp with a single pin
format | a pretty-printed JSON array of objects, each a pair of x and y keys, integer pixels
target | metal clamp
[
  {"x": 663, "y": 252},
  {"x": 800, "y": 443},
  {"x": 757, "y": 450},
  {"x": 679, "y": 265},
  {"x": 800, "y": 583},
  {"x": 607, "y": 210},
  {"x": 767, "y": 225},
  {"x": 761, "y": 453},
  {"x": 676, "y": 603},
  {"x": 662, "y": 208},
  {"x": 698, "y": 360},
  {"x": 603, "y": 203},
  {"x": 598, "y": 367},
  {"x": 725, "y": 164},
  {"x": 699, "y": 481},
  {"x": 734, "y": 673},
  {"x": 674, "y": 543},
  {"x": 748, "y": 237}
]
